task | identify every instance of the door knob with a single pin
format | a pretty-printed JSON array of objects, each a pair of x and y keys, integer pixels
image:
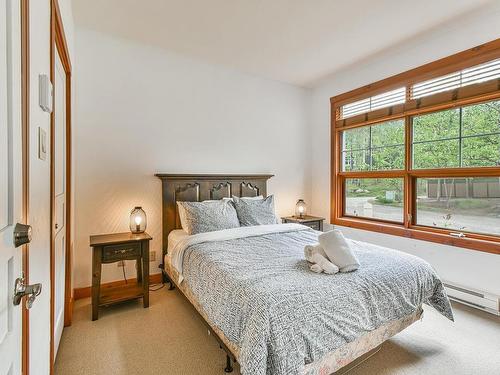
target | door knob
[
  {"x": 21, "y": 290},
  {"x": 22, "y": 234}
]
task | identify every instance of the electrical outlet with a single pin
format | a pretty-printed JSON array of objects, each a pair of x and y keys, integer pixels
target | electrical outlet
[
  {"x": 121, "y": 263},
  {"x": 152, "y": 256}
]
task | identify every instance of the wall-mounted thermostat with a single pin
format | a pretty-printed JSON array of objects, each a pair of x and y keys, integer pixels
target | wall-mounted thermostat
[{"x": 45, "y": 93}]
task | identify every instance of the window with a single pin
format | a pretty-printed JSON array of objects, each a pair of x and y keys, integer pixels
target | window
[
  {"x": 375, "y": 198},
  {"x": 376, "y": 147},
  {"x": 461, "y": 137},
  {"x": 460, "y": 204},
  {"x": 423, "y": 160}
]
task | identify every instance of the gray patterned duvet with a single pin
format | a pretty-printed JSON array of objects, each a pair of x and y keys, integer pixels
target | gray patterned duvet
[{"x": 259, "y": 291}]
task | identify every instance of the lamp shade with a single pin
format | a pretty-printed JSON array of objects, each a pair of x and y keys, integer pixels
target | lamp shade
[
  {"x": 138, "y": 220},
  {"x": 300, "y": 208}
]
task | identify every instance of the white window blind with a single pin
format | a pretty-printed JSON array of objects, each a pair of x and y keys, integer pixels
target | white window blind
[
  {"x": 476, "y": 74},
  {"x": 372, "y": 103}
]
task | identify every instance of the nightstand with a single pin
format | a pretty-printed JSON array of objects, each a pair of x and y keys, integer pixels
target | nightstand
[
  {"x": 110, "y": 248},
  {"x": 313, "y": 222}
]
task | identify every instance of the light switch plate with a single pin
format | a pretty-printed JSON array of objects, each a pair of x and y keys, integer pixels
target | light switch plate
[{"x": 45, "y": 92}]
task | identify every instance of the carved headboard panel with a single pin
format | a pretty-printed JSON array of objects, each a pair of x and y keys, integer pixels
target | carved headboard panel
[{"x": 197, "y": 188}]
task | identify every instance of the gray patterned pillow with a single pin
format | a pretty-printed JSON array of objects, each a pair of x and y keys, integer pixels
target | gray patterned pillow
[
  {"x": 255, "y": 211},
  {"x": 207, "y": 216}
]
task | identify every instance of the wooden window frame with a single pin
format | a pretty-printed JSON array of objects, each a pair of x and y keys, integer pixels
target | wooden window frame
[{"x": 467, "y": 95}]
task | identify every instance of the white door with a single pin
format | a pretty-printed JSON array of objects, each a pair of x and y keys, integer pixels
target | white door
[
  {"x": 10, "y": 184},
  {"x": 60, "y": 198}
]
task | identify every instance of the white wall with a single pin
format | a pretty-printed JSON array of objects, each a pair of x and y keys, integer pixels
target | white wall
[
  {"x": 142, "y": 110},
  {"x": 467, "y": 267},
  {"x": 39, "y": 181}
]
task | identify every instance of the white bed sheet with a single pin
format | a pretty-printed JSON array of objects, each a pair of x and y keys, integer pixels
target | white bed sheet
[{"x": 174, "y": 237}]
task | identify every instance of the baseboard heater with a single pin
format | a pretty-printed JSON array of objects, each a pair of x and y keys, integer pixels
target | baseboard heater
[{"x": 480, "y": 300}]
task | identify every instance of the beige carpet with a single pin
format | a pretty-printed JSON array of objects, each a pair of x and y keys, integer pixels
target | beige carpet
[{"x": 168, "y": 338}]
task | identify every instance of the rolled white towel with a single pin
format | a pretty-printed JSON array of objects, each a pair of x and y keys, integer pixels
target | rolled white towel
[
  {"x": 310, "y": 250},
  {"x": 327, "y": 266},
  {"x": 316, "y": 268},
  {"x": 338, "y": 251}
]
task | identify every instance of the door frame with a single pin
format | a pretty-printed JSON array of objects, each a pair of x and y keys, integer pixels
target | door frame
[
  {"x": 59, "y": 45},
  {"x": 25, "y": 134}
]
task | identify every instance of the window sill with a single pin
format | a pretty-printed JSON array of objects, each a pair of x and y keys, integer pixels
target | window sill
[{"x": 421, "y": 233}]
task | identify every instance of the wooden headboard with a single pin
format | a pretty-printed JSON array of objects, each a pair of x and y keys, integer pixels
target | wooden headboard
[{"x": 200, "y": 187}]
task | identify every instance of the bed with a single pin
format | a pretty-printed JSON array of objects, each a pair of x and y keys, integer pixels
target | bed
[{"x": 253, "y": 289}]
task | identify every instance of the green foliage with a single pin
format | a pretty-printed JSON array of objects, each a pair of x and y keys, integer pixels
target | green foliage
[
  {"x": 373, "y": 187},
  {"x": 436, "y": 126},
  {"x": 389, "y": 202},
  {"x": 461, "y": 137},
  {"x": 376, "y": 147}
]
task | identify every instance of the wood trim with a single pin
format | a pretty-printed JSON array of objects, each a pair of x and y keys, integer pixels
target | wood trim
[
  {"x": 86, "y": 292},
  {"x": 211, "y": 177},
  {"x": 444, "y": 172},
  {"x": 25, "y": 131},
  {"x": 475, "y": 242},
  {"x": 456, "y": 172},
  {"x": 408, "y": 181},
  {"x": 473, "y": 56},
  {"x": 52, "y": 200},
  {"x": 68, "y": 298},
  {"x": 58, "y": 45},
  {"x": 368, "y": 119},
  {"x": 399, "y": 173},
  {"x": 471, "y": 95}
]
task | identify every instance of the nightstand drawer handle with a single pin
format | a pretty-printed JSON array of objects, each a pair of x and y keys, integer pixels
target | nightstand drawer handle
[{"x": 123, "y": 251}]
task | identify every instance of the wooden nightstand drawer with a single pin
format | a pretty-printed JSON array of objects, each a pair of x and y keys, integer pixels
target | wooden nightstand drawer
[
  {"x": 313, "y": 224},
  {"x": 114, "y": 253}
]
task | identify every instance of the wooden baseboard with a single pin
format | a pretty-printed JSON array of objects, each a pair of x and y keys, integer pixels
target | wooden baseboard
[{"x": 85, "y": 292}]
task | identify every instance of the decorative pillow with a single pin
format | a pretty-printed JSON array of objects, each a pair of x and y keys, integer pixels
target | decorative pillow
[
  {"x": 255, "y": 211},
  {"x": 207, "y": 216}
]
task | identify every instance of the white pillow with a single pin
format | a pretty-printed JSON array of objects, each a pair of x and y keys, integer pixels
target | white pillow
[
  {"x": 255, "y": 211},
  {"x": 207, "y": 216}
]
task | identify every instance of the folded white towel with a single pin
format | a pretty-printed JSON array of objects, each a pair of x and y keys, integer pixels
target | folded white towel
[
  {"x": 327, "y": 266},
  {"x": 316, "y": 268},
  {"x": 338, "y": 251},
  {"x": 310, "y": 250}
]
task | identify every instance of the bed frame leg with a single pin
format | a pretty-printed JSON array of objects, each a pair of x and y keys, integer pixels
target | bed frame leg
[
  {"x": 229, "y": 367},
  {"x": 166, "y": 278}
]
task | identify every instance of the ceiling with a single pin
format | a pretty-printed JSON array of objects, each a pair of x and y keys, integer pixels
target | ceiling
[{"x": 293, "y": 41}]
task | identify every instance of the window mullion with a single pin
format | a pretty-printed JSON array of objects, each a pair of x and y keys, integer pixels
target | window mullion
[
  {"x": 460, "y": 136},
  {"x": 370, "y": 148},
  {"x": 409, "y": 204}
]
